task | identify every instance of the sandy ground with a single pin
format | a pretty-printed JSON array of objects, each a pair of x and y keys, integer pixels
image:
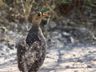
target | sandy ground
[{"x": 77, "y": 59}]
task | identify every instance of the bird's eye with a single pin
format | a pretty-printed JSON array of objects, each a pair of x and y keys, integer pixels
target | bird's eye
[{"x": 38, "y": 14}]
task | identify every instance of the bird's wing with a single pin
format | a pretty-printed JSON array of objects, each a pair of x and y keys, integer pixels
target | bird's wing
[
  {"x": 35, "y": 55},
  {"x": 34, "y": 51},
  {"x": 30, "y": 55},
  {"x": 21, "y": 49}
]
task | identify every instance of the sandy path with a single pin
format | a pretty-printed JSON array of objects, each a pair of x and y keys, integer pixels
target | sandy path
[
  {"x": 13, "y": 68},
  {"x": 79, "y": 59}
]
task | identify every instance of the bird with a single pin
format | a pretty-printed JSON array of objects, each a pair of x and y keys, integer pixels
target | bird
[{"x": 31, "y": 51}]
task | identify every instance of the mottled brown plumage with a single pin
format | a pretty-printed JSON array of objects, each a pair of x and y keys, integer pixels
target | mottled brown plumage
[{"x": 32, "y": 50}]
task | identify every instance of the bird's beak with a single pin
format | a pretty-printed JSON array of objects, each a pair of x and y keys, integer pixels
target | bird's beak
[{"x": 46, "y": 14}]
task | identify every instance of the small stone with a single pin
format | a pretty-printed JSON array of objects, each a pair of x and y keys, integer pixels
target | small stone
[
  {"x": 75, "y": 71},
  {"x": 89, "y": 66},
  {"x": 67, "y": 67},
  {"x": 52, "y": 24}
]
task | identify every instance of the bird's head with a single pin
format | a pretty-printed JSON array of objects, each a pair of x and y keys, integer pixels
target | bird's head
[{"x": 37, "y": 18}]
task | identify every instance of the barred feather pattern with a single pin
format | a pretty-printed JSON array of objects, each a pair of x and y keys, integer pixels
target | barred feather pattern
[{"x": 31, "y": 52}]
